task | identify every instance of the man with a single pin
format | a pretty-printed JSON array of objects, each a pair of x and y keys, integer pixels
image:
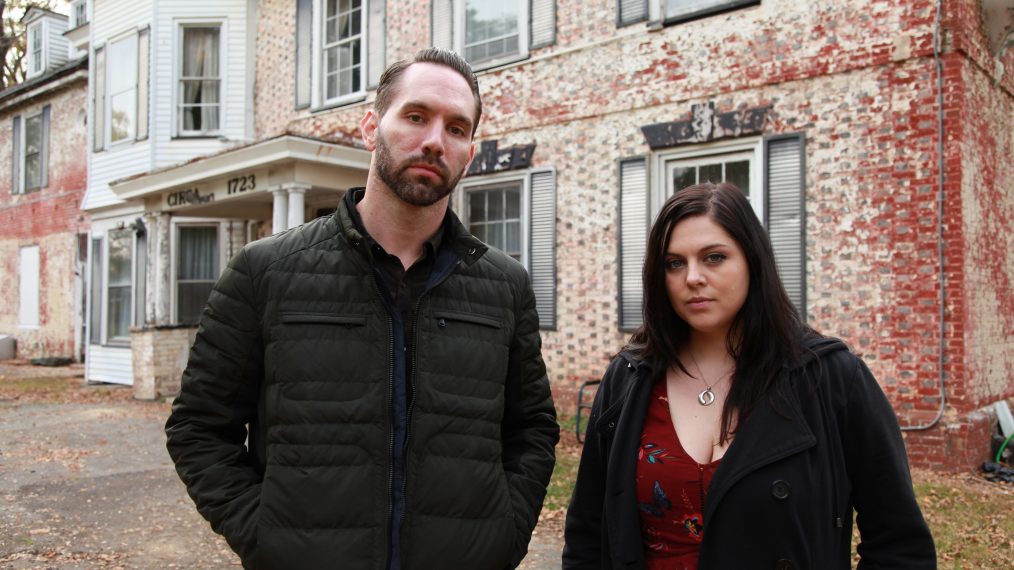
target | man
[{"x": 384, "y": 364}]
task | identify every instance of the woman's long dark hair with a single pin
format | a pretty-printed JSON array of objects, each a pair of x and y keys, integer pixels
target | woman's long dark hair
[{"x": 767, "y": 332}]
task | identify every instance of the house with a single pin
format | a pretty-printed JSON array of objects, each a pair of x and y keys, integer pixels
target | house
[
  {"x": 42, "y": 182},
  {"x": 873, "y": 138}
]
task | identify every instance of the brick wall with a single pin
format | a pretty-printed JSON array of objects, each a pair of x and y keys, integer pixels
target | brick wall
[
  {"x": 159, "y": 356},
  {"x": 857, "y": 78},
  {"x": 49, "y": 218}
]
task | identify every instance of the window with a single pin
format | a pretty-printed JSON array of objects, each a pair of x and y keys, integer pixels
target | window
[
  {"x": 28, "y": 287},
  {"x": 78, "y": 13},
  {"x": 685, "y": 9},
  {"x": 494, "y": 216},
  {"x": 95, "y": 296},
  {"x": 121, "y": 79},
  {"x": 196, "y": 270},
  {"x": 515, "y": 212},
  {"x": 119, "y": 289},
  {"x": 493, "y": 32},
  {"x": 737, "y": 162},
  {"x": 35, "y": 61},
  {"x": 30, "y": 142},
  {"x": 199, "y": 94},
  {"x": 342, "y": 48},
  {"x": 769, "y": 170}
]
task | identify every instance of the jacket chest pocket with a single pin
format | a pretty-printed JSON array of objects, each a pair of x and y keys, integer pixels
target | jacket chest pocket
[
  {"x": 462, "y": 353},
  {"x": 324, "y": 347}
]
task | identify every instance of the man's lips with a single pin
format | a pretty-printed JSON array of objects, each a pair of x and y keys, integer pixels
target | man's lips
[{"x": 432, "y": 169}]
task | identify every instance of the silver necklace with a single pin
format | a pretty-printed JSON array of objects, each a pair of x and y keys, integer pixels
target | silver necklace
[{"x": 707, "y": 396}]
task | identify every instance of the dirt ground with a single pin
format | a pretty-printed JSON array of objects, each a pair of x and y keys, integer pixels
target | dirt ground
[{"x": 86, "y": 483}]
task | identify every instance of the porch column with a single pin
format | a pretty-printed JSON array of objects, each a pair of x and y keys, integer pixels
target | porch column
[
  {"x": 280, "y": 211},
  {"x": 159, "y": 260},
  {"x": 297, "y": 203}
]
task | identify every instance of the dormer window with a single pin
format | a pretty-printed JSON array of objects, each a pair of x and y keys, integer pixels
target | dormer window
[
  {"x": 78, "y": 13},
  {"x": 35, "y": 55}
]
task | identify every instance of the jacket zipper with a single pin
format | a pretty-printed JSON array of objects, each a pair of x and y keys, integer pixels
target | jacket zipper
[
  {"x": 390, "y": 403},
  {"x": 411, "y": 379}
]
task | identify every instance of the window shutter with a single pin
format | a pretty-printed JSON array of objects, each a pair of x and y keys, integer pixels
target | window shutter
[
  {"x": 377, "y": 47},
  {"x": 633, "y": 239},
  {"x": 16, "y": 166},
  {"x": 631, "y": 11},
  {"x": 99, "y": 103},
  {"x": 304, "y": 53},
  {"x": 786, "y": 213},
  {"x": 543, "y": 23},
  {"x": 142, "y": 84},
  {"x": 542, "y": 246},
  {"x": 44, "y": 151},
  {"x": 442, "y": 23}
]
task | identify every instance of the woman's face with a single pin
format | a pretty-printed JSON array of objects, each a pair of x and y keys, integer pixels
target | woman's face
[{"x": 706, "y": 275}]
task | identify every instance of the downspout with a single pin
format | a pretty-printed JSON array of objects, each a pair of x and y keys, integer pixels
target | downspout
[{"x": 940, "y": 224}]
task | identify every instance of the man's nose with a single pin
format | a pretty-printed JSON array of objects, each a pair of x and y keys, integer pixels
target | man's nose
[{"x": 433, "y": 141}]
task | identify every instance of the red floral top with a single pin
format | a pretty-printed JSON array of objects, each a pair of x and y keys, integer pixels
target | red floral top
[{"x": 671, "y": 488}]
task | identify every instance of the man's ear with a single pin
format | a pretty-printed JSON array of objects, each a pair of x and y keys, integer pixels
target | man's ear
[
  {"x": 368, "y": 129},
  {"x": 471, "y": 155}
]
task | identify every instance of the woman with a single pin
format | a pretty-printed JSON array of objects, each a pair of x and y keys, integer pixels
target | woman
[{"x": 727, "y": 434}]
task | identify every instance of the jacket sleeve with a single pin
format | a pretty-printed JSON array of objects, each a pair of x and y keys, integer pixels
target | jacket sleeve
[
  {"x": 207, "y": 428},
  {"x": 529, "y": 430},
  {"x": 583, "y": 528},
  {"x": 893, "y": 533}
]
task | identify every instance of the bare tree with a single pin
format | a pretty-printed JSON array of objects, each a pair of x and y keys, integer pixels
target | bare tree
[{"x": 12, "y": 38}]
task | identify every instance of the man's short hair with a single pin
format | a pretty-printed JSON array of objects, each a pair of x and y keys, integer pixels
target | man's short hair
[{"x": 386, "y": 87}]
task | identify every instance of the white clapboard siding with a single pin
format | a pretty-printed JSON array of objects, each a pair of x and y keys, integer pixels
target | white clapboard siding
[
  {"x": 58, "y": 45},
  {"x": 165, "y": 53},
  {"x": 111, "y": 364},
  {"x": 112, "y": 18}
]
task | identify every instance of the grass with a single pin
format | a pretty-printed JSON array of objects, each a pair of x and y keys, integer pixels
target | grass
[{"x": 972, "y": 520}]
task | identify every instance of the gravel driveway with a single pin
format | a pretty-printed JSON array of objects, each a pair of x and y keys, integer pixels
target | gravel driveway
[{"x": 85, "y": 483}]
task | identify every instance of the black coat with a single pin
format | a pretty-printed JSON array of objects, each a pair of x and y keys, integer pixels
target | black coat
[
  {"x": 784, "y": 493},
  {"x": 297, "y": 343}
]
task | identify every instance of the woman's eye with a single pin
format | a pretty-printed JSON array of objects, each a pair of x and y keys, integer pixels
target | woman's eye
[
  {"x": 674, "y": 264},
  {"x": 715, "y": 258}
]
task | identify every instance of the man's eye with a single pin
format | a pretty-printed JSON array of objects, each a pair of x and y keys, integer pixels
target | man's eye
[
  {"x": 415, "y": 118},
  {"x": 458, "y": 131}
]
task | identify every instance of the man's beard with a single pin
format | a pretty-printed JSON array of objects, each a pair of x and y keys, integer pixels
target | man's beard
[{"x": 418, "y": 191}]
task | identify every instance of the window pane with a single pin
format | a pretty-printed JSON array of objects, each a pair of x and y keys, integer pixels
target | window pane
[
  {"x": 119, "y": 313},
  {"x": 122, "y": 65},
  {"x": 95, "y": 316},
  {"x": 198, "y": 253},
  {"x": 200, "y": 52},
  {"x": 119, "y": 283},
  {"x": 683, "y": 177},
  {"x": 123, "y": 113},
  {"x": 512, "y": 244},
  {"x": 191, "y": 299},
  {"x": 513, "y": 197},
  {"x": 738, "y": 173},
  {"x": 33, "y": 171},
  {"x": 33, "y": 134},
  {"x": 476, "y": 207},
  {"x": 677, "y": 8},
  {"x": 711, "y": 173},
  {"x": 491, "y": 29},
  {"x": 494, "y": 205}
]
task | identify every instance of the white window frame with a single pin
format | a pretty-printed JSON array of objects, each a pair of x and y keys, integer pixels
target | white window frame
[
  {"x": 112, "y": 67},
  {"x": 524, "y": 35},
  {"x": 36, "y": 63},
  {"x": 174, "y": 245},
  {"x": 747, "y": 147},
  {"x": 659, "y": 10},
  {"x": 29, "y": 302},
  {"x": 106, "y": 239},
  {"x": 521, "y": 177},
  {"x": 177, "y": 94},
  {"x": 319, "y": 84},
  {"x": 24, "y": 188}
]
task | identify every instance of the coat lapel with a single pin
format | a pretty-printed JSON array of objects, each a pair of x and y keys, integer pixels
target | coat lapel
[{"x": 768, "y": 435}]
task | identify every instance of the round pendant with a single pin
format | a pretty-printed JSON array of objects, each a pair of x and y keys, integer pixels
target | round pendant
[{"x": 706, "y": 398}]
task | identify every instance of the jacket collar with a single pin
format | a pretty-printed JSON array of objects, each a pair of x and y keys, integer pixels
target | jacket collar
[{"x": 465, "y": 246}]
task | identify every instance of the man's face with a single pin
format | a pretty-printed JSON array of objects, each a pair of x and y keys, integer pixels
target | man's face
[{"x": 423, "y": 143}]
